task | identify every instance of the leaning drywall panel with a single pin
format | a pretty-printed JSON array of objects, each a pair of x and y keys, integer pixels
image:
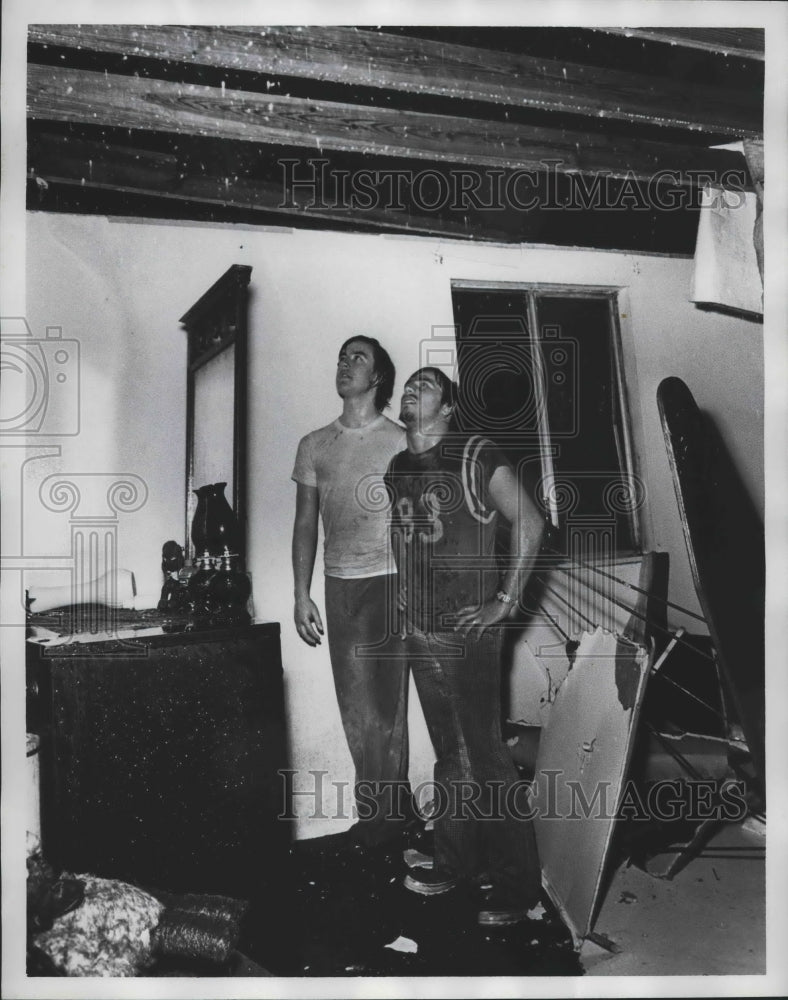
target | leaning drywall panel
[{"x": 581, "y": 767}]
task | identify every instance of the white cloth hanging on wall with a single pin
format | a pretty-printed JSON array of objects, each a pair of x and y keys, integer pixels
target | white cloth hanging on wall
[{"x": 726, "y": 267}]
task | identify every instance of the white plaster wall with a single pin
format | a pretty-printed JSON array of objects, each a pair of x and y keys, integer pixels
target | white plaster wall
[{"x": 119, "y": 288}]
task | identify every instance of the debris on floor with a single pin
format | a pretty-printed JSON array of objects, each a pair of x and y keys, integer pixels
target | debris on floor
[
  {"x": 415, "y": 859},
  {"x": 337, "y": 910},
  {"x": 602, "y": 941},
  {"x": 404, "y": 944},
  {"x": 591, "y": 954},
  {"x": 653, "y": 934}
]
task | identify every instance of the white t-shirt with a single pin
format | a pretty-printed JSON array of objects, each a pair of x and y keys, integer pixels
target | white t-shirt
[{"x": 347, "y": 464}]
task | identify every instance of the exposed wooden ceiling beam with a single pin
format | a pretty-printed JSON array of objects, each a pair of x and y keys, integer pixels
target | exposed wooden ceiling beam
[
  {"x": 746, "y": 43},
  {"x": 417, "y": 66},
  {"x": 131, "y": 102},
  {"x": 101, "y": 166},
  {"x": 71, "y": 171},
  {"x": 252, "y": 198},
  {"x": 92, "y": 161}
]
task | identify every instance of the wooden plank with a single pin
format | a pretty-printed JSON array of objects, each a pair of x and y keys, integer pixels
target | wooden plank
[
  {"x": 417, "y": 66},
  {"x": 101, "y": 162},
  {"x": 99, "y": 165},
  {"x": 210, "y": 193},
  {"x": 60, "y": 160},
  {"x": 106, "y": 99},
  {"x": 534, "y": 228},
  {"x": 103, "y": 173},
  {"x": 746, "y": 43},
  {"x": 725, "y": 545}
]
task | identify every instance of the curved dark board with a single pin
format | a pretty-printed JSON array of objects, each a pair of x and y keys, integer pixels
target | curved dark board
[{"x": 725, "y": 544}]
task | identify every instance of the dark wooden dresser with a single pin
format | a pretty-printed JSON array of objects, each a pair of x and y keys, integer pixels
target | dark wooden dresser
[{"x": 160, "y": 755}]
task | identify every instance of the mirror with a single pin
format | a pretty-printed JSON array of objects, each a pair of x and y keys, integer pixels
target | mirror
[{"x": 216, "y": 327}]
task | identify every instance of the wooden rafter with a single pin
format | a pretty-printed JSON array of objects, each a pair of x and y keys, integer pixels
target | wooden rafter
[
  {"x": 252, "y": 198},
  {"x": 98, "y": 165},
  {"x": 74, "y": 170},
  {"x": 417, "y": 66},
  {"x": 131, "y": 102},
  {"x": 746, "y": 43}
]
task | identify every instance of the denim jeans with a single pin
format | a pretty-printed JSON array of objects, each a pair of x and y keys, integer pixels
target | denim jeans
[
  {"x": 371, "y": 683},
  {"x": 476, "y": 828}
]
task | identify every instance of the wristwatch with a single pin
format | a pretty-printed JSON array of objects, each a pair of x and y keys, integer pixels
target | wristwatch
[{"x": 503, "y": 597}]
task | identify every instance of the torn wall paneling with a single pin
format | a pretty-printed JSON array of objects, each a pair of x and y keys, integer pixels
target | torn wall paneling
[{"x": 581, "y": 767}]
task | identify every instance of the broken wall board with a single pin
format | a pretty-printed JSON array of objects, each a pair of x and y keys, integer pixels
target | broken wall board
[
  {"x": 624, "y": 594},
  {"x": 584, "y": 753}
]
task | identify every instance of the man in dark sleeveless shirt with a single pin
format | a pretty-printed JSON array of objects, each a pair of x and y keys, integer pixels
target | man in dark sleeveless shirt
[{"x": 448, "y": 493}]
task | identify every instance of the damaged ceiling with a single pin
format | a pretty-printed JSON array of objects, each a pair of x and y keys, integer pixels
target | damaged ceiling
[{"x": 575, "y": 137}]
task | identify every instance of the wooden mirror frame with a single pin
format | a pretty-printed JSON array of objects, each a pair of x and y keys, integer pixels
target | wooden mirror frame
[{"x": 216, "y": 322}]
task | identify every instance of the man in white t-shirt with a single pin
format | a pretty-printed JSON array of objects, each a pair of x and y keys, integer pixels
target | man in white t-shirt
[{"x": 339, "y": 474}]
